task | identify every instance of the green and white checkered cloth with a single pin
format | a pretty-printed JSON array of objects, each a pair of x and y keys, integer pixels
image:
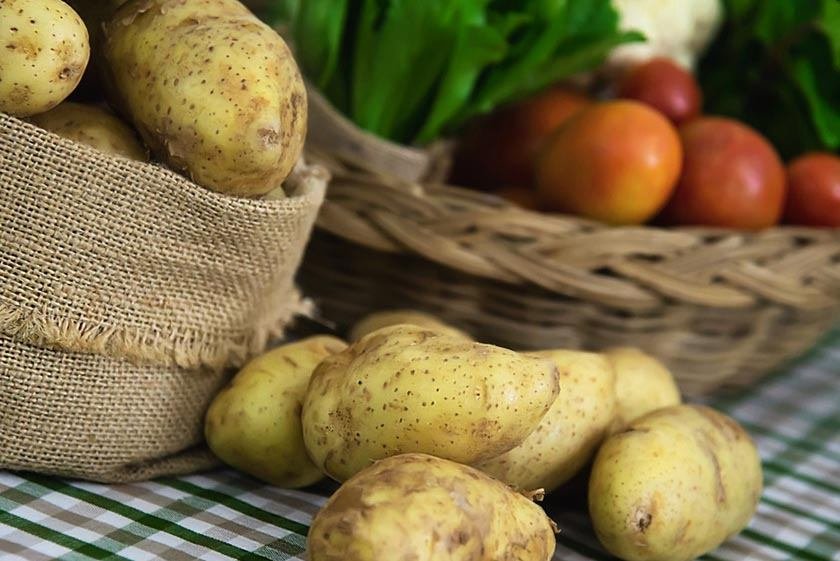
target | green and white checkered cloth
[{"x": 223, "y": 515}]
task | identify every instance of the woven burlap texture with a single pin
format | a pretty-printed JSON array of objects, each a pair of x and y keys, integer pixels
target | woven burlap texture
[
  {"x": 120, "y": 258},
  {"x": 92, "y": 417}
]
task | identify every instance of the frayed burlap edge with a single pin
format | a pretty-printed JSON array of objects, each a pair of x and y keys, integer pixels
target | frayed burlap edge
[{"x": 183, "y": 349}]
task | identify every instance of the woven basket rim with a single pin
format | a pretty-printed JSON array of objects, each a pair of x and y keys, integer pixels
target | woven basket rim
[
  {"x": 479, "y": 233},
  {"x": 493, "y": 202}
]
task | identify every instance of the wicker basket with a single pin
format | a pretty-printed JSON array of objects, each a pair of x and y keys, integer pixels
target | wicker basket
[{"x": 721, "y": 308}]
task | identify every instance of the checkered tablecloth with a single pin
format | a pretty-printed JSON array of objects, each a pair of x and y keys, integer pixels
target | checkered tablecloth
[{"x": 794, "y": 416}]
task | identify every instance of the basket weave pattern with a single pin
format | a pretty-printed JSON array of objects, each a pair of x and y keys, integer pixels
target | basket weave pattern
[{"x": 721, "y": 307}]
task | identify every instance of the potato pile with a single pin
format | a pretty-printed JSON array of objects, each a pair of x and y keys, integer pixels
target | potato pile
[
  {"x": 382, "y": 396},
  {"x": 442, "y": 443},
  {"x": 212, "y": 91}
]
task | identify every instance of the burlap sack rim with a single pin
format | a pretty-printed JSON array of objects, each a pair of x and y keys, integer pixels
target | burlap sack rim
[
  {"x": 188, "y": 349},
  {"x": 50, "y": 331},
  {"x": 300, "y": 174}
]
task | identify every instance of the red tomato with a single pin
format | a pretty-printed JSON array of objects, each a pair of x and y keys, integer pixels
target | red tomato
[
  {"x": 616, "y": 161},
  {"x": 499, "y": 150},
  {"x": 665, "y": 86},
  {"x": 814, "y": 190},
  {"x": 732, "y": 177}
]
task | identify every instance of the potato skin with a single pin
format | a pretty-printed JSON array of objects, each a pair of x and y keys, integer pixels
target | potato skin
[
  {"x": 674, "y": 485},
  {"x": 387, "y": 318},
  {"x": 571, "y": 431},
  {"x": 423, "y": 508},
  {"x": 254, "y": 423},
  {"x": 409, "y": 389},
  {"x": 45, "y": 48},
  {"x": 642, "y": 384},
  {"x": 213, "y": 91},
  {"x": 94, "y": 126}
]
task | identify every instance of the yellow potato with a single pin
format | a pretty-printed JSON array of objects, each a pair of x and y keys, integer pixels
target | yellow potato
[
  {"x": 93, "y": 126},
  {"x": 423, "y": 508},
  {"x": 254, "y": 423},
  {"x": 569, "y": 434},
  {"x": 410, "y": 389},
  {"x": 213, "y": 91},
  {"x": 642, "y": 384},
  {"x": 45, "y": 50},
  {"x": 674, "y": 485},
  {"x": 378, "y": 320}
]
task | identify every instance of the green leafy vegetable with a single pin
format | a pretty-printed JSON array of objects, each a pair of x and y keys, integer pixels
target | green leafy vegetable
[
  {"x": 829, "y": 24},
  {"x": 776, "y": 66},
  {"x": 414, "y": 70},
  {"x": 327, "y": 22}
]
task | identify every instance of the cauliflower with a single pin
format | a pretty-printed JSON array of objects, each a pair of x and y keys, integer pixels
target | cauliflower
[{"x": 679, "y": 30}]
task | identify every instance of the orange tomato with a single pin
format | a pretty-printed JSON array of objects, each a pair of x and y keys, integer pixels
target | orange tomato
[
  {"x": 616, "y": 161},
  {"x": 499, "y": 150},
  {"x": 813, "y": 197},
  {"x": 732, "y": 177}
]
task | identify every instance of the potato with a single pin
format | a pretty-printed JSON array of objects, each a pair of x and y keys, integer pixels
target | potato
[
  {"x": 254, "y": 423},
  {"x": 423, "y": 508},
  {"x": 214, "y": 92},
  {"x": 378, "y": 320},
  {"x": 45, "y": 50},
  {"x": 93, "y": 126},
  {"x": 569, "y": 434},
  {"x": 410, "y": 389},
  {"x": 642, "y": 384},
  {"x": 674, "y": 485}
]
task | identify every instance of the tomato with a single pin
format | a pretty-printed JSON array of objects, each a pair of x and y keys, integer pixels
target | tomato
[
  {"x": 665, "y": 86},
  {"x": 499, "y": 150},
  {"x": 814, "y": 190},
  {"x": 616, "y": 161},
  {"x": 732, "y": 177}
]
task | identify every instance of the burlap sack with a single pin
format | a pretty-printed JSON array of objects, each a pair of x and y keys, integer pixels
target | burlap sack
[
  {"x": 126, "y": 259},
  {"x": 99, "y": 418},
  {"x": 125, "y": 289}
]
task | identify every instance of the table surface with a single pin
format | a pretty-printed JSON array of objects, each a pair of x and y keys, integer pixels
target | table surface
[{"x": 794, "y": 417}]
